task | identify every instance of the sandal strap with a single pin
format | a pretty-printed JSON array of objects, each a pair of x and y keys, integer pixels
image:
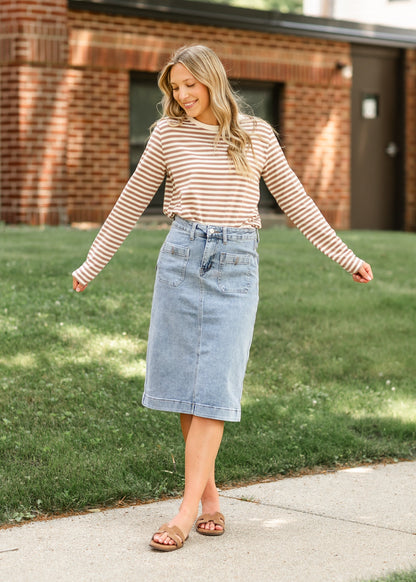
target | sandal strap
[
  {"x": 174, "y": 533},
  {"x": 217, "y": 518}
]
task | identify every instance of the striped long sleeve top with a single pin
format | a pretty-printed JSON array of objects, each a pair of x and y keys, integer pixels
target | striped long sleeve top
[{"x": 203, "y": 186}]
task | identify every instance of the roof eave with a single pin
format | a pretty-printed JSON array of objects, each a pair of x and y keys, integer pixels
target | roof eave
[{"x": 208, "y": 14}]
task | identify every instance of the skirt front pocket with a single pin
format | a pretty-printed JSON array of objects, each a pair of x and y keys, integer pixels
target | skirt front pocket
[
  {"x": 172, "y": 263},
  {"x": 237, "y": 272}
]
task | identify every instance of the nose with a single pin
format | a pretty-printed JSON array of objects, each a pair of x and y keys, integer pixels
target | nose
[{"x": 182, "y": 93}]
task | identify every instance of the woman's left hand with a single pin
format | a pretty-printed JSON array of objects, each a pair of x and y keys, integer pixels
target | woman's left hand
[
  {"x": 77, "y": 286},
  {"x": 364, "y": 275}
]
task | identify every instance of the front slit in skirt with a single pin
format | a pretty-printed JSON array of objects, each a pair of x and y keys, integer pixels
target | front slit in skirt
[{"x": 203, "y": 313}]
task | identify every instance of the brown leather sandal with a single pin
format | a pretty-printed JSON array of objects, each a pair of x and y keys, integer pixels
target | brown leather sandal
[
  {"x": 174, "y": 533},
  {"x": 217, "y": 518}
]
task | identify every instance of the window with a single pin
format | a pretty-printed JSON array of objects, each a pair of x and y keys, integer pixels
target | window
[
  {"x": 144, "y": 97},
  {"x": 263, "y": 98},
  {"x": 370, "y": 106}
]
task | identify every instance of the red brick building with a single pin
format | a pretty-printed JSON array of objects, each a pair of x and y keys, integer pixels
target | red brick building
[{"x": 77, "y": 82}]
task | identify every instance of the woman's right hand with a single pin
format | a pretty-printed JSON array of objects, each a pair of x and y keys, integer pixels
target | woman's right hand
[
  {"x": 77, "y": 286},
  {"x": 364, "y": 275}
]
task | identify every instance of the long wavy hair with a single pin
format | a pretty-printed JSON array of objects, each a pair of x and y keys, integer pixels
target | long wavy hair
[{"x": 203, "y": 63}]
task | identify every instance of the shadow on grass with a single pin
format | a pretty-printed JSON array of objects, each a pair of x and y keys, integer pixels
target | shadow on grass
[
  {"x": 274, "y": 440},
  {"x": 78, "y": 437},
  {"x": 73, "y": 432}
]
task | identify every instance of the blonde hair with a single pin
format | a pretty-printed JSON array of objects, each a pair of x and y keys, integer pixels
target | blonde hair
[{"x": 203, "y": 63}]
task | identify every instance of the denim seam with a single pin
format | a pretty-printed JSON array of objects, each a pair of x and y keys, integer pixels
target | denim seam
[{"x": 190, "y": 403}]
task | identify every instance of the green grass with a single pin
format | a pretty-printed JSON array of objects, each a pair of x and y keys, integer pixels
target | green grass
[
  {"x": 331, "y": 378},
  {"x": 409, "y": 576}
]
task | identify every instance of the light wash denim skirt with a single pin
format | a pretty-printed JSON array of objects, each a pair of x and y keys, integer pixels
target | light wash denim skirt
[{"x": 203, "y": 313}]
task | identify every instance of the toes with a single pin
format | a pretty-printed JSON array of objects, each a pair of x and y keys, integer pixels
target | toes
[
  {"x": 210, "y": 525},
  {"x": 163, "y": 539}
]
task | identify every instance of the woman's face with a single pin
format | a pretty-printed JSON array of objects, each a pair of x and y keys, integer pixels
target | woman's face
[{"x": 191, "y": 95}]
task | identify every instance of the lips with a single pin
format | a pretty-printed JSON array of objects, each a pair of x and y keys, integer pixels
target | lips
[{"x": 190, "y": 104}]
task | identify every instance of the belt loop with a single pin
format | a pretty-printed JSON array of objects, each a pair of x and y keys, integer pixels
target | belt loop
[
  {"x": 193, "y": 229},
  {"x": 224, "y": 235},
  {"x": 258, "y": 235}
]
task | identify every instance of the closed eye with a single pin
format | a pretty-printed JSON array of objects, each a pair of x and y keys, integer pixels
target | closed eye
[{"x": 189, "y": 86}]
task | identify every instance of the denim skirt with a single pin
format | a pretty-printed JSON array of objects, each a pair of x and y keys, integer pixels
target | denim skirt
[{"x": 202, "y": 320}]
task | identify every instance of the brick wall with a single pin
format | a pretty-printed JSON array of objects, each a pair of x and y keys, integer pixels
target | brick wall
[
  {"x": 410, "y": 136},
  {"x": 98, "y": 141},
  {"x": 317, "y": 134},
  {"x": 315, "y": 106},
  {"x": 33, "y": 110},
  {"x": 64, "y": 109}
]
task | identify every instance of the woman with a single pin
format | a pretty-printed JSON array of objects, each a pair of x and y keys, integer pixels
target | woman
[{"x": 206, "y": 288}]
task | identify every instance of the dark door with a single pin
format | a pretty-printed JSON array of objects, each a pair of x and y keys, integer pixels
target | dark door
[{"x": 376, "y": 159}]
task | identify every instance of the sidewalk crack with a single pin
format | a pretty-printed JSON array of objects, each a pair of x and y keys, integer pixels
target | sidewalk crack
[{"x": 322, "y": 515}]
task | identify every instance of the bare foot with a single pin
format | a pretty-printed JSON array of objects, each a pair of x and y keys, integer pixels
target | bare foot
[
  {"x": 183, "y": 521},
  {"x": 210, "y": 525},
  {"x": 210, "y": 506}
]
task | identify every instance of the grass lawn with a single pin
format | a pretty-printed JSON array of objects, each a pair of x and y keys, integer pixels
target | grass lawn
[
  {"x": 409, "y": 576},
  {"x": 331, "y": 378}
]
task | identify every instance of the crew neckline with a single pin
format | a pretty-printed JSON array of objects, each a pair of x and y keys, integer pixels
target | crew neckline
[{"x": 208, "y": 127}]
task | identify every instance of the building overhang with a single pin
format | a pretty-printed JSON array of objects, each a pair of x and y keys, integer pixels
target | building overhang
[{"x": 269, "y": 21}]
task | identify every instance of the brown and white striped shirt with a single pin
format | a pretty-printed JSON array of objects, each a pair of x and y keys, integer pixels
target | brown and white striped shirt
[{"x": 203, "y": 186}]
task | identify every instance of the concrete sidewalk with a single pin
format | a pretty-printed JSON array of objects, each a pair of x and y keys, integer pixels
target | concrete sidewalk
[{"x": 351, "y": 525}]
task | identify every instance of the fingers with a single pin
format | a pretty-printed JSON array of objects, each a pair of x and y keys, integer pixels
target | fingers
[
  {"x": 364, "y": 275},
  {"x": 366, "y": 272},
  {"x": 77, "y": 286}
]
